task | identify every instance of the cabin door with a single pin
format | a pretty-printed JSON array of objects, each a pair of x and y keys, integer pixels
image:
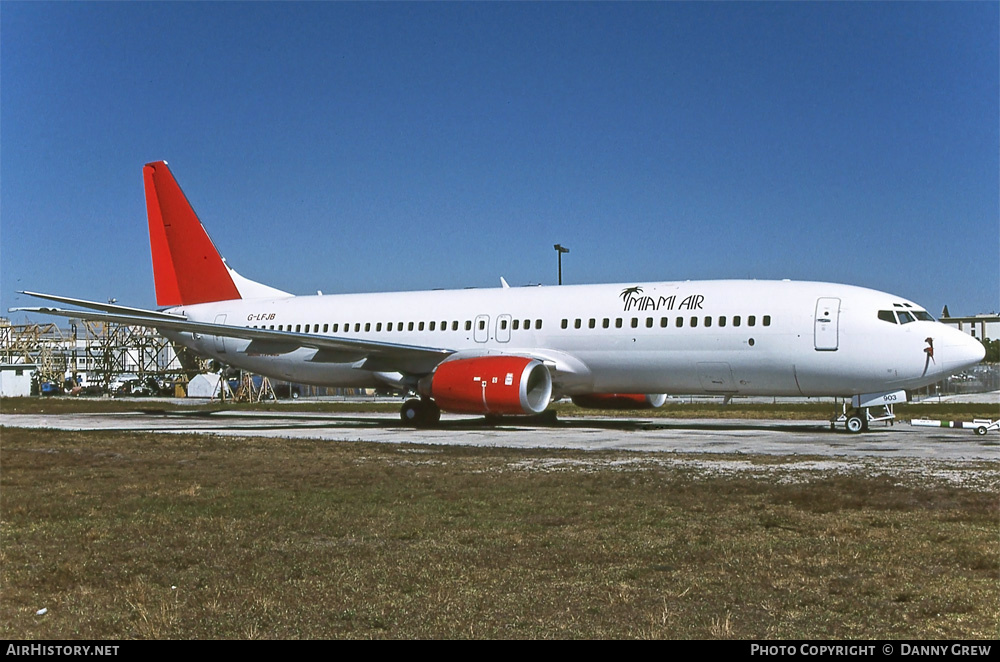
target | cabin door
[
  {"x": 503, "y": 328},
  {"x": 826, "y": 330},
  {"x": 220, "y": 341},
  {"x": 481, "y": 331}
]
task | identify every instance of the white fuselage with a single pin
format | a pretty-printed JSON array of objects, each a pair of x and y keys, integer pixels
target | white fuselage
[{"x": 724, "y": 337}]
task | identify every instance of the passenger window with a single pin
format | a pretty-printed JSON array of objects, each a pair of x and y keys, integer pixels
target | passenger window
[
  {"x": 538, "y": 325},
  {"x": 409, "y": 326},
  {"x": 618, "y": 323},
  {"x": 565, "y": 324},
  {"x": 606, "y": 323},
  {"x": 694, "y": 322},
  {"x": 503, "y": 325},
  {"x": 576, "y": 324},
  {"x": 635, "y": 322},
  {"x": 722, "y": 320},
  {"x": 663, "y": 322},
  {"x": 679, "y": 322},
  {"x": 649, "y": 322},
  {"x": 708, "y": 321},
  {"x": 454, "y": 325},
  {"x": 482, "y": 324},
  {"x": 736, "y": 320},
  {"x": 326, "y": 327},
  {"x": 468, "y": 325},
  {"x": 751, "y": 320},
  {"x": 368, "y": 327},
  {"x": 767, "y": 320},
  {"x": 515, "y": 325},
  {"x": 593, "y": 323},
  {"x": 527, "y": 324},
  {"x": 378, "y": 327},
  {"x": 336, "y": 328}
]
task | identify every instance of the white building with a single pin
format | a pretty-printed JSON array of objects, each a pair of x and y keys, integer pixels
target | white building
[
  {"x": 978, "y": 326},
  {"x": 15, "y": 379}
]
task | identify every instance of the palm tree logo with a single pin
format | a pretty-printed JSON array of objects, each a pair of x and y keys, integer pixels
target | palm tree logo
[
  {"x": 630, "y": 292},
  {"x": 630, "y": 295}
]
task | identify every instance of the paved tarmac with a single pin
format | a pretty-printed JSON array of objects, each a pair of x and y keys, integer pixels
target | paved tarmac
[{"x": 710, "y": 436}]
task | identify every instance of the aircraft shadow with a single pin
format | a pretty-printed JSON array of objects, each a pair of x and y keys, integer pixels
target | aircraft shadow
[{"x": 277, "y": 421}]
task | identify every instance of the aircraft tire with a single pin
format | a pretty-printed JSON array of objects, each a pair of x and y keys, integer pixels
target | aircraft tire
[
  {"x": 981, "y": 430},
  {"x": 409, "y": 413},
  {"x": 855, "y": 424},
  {"x": 420, "y": 413},
  {"x": 432, "y": 414}
]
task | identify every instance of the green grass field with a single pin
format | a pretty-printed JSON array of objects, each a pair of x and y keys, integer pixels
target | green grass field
[{"x": 123, "y": 536}]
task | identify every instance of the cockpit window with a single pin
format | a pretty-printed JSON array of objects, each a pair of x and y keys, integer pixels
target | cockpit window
[
  {"x": 904, "y": 317},
  {"x": 887, "y": 316},
  {"x": 923, "y": 316}
]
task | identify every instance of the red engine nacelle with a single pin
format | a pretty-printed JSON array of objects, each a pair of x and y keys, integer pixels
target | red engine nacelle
[
  {"x": 619, "y": 400},
  {"x": 492, "y": 385}
]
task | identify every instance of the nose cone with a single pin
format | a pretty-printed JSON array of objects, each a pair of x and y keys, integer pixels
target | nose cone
[
  {"x": 963, "y": 350},
  {"x": 977, "y": 350}
]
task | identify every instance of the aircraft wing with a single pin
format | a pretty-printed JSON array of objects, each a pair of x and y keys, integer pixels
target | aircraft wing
[{"x": 365, "y": 354}]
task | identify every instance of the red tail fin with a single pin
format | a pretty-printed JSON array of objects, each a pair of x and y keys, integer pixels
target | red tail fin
[{"x": 187, "y": 268}]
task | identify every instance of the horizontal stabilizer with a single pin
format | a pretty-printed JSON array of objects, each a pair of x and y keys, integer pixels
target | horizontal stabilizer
[{"x": 96, "y": 305}]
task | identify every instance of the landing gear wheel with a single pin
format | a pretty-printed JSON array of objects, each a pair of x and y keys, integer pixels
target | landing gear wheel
[
  {"x": 410, "y": 412},
  {"x": 981, "y": 430},
  {"x": 432, "y": 414},
  {"x": 420, "y": 413},
  {"x": 855, "y": 424}
]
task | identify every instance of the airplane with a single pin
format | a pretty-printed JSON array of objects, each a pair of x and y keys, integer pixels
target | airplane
[{"x": 510, "y": 351}]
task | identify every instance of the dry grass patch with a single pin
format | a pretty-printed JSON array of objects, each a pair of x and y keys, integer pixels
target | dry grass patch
[{"x": 164, "y": 536}]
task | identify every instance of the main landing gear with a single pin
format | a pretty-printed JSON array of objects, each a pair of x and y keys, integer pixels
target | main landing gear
[{"x": 420, "y": 413}]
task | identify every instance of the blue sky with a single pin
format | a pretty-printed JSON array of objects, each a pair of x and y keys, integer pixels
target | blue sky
[{"x": 395, "y": 146}]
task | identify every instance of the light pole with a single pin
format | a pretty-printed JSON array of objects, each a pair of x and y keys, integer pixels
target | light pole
[{"x": 560, "y": 249}]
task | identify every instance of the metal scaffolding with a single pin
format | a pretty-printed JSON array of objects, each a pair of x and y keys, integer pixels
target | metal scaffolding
[{"x": 99, "y": 351}]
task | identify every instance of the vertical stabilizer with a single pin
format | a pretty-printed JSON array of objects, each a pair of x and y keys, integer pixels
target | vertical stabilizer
[{"x": 187, "y": 268}]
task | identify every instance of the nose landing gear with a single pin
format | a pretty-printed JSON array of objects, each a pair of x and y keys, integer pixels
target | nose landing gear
[{"x": 857, "y": 419}]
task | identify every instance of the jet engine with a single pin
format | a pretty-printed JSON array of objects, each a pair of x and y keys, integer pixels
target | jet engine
[
  {"x": 619, "y": 400},
  {"x": 511, "y": 385}
]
